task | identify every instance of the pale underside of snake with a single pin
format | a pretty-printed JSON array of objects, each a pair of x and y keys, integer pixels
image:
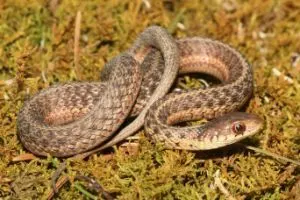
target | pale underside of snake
[{"x": 74, "y": 118}]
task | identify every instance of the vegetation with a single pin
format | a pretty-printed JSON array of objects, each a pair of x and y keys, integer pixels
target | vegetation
[{"x": 39, "y": 47}]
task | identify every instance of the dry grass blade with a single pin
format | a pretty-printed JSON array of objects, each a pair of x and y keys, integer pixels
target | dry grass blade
[
  {"x": 76, "y": 44},
  {"x": 24, "y": 157}
]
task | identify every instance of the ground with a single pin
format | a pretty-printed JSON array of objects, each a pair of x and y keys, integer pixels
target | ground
[{"x": 39, "y": 47}]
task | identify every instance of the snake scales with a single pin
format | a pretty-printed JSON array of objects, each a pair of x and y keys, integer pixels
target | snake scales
[{"x": 73, "y": 118}]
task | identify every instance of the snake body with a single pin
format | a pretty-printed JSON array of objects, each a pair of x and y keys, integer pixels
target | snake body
[{"x": 73, "y": 118}]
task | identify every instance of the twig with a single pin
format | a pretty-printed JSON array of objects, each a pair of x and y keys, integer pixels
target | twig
[
  {"x": 273, "y": 155},
  {"x": 61, "y": 181},
  {"x": 56, "y": 174},
  {"x": 221, "y": 187}
]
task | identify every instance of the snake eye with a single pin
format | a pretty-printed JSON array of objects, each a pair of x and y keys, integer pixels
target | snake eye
[{"x": 238, "y": 127}]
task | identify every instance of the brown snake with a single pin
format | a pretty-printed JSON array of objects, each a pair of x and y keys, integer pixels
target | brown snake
[{"x": 73, "y": 118}]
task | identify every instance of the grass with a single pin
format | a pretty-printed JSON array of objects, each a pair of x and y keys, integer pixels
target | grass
[{"x": 37, "y": 50}]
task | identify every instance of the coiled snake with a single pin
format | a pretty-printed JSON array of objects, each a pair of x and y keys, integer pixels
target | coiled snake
[{"x": 73, "y": 118}]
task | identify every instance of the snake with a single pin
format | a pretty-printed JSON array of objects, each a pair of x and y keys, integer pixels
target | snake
[{"x": 77, "y": 117}]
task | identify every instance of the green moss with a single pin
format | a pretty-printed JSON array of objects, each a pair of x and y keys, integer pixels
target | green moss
[{"x": 36, "y": 40}]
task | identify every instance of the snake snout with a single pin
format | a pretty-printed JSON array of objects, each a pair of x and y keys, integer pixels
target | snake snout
[{"x": 253, "y": 123}]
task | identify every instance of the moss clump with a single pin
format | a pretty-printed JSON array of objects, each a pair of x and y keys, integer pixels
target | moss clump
[{"x": 36, "y": 40}]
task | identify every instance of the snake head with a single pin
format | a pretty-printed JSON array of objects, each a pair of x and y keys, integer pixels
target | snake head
[
  {"x": 219, "y": 132},
  {"x": 231, "y": 128}
]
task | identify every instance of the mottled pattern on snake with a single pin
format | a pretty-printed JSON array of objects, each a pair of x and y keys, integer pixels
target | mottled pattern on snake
[
  {"x": 51, "y": 117},
  {"x": 69, "y": 119},
  {"x": 226, "y": 64}
]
